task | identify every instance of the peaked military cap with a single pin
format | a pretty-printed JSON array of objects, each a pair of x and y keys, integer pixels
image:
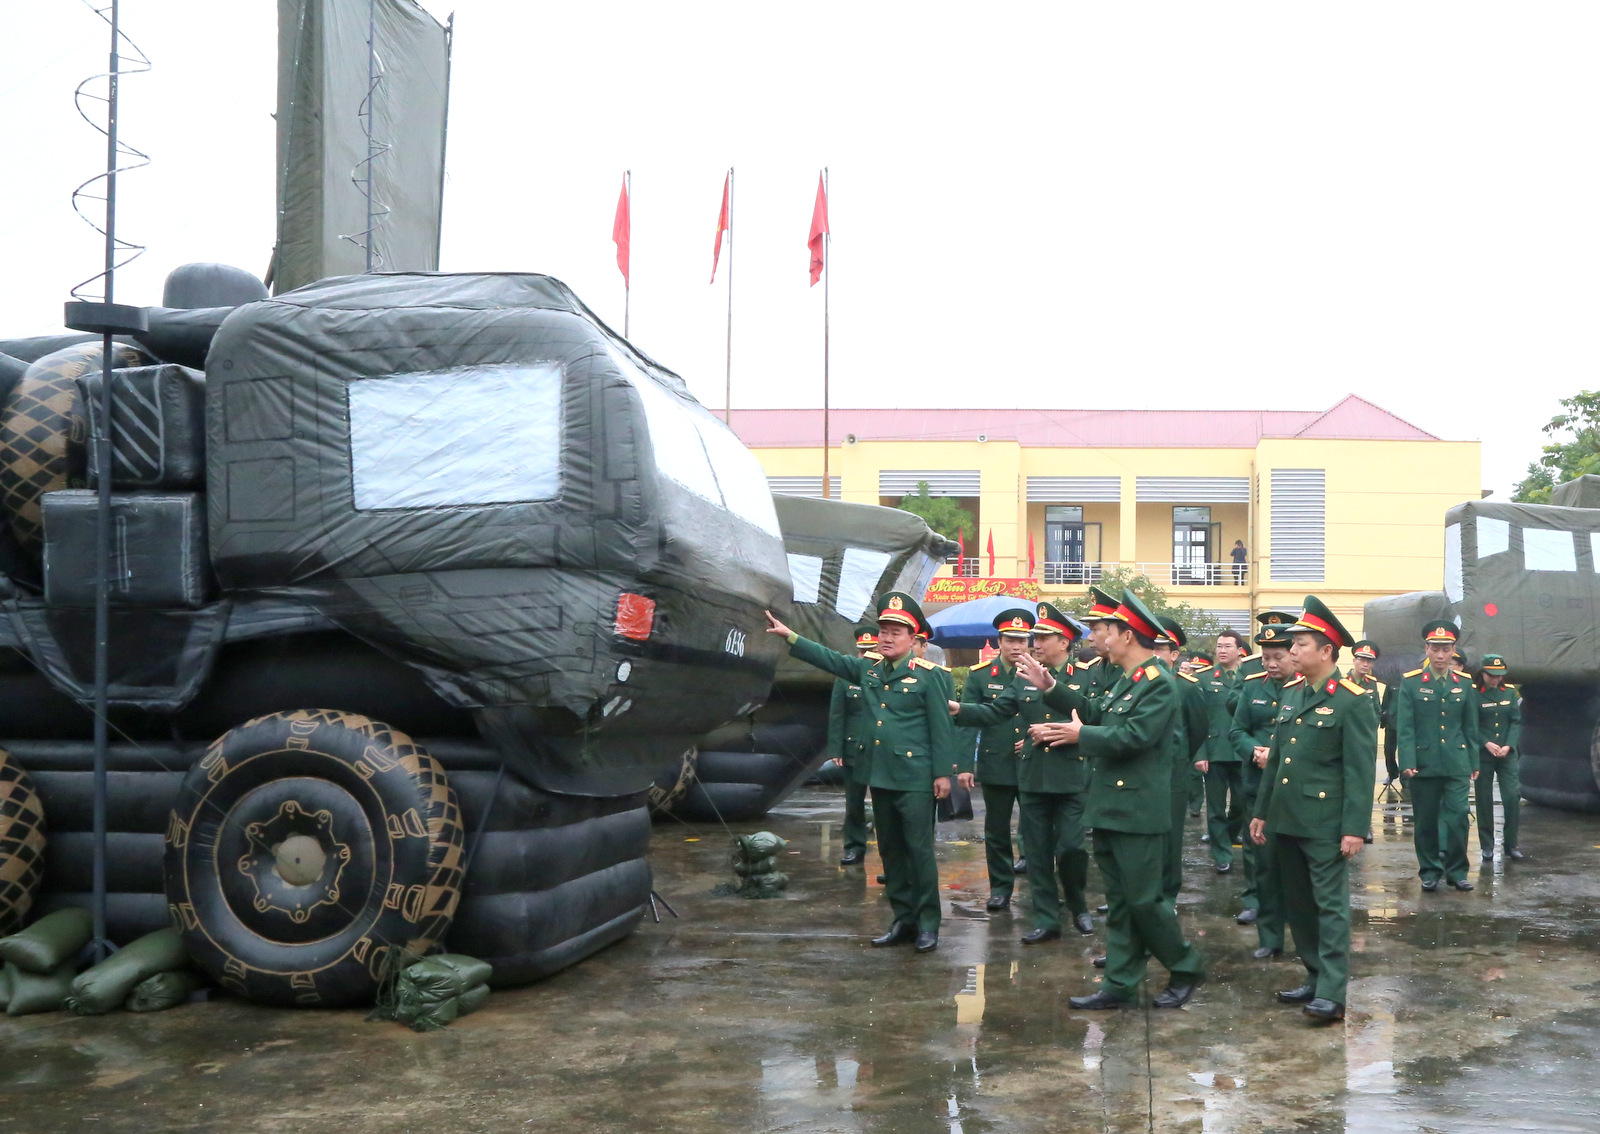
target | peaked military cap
[
  {"x": 1318, "y": 619},
  {"x": 1200, "y": 657},
  {"x": 897, "y": 606},
  {"x": 1171, "y": 633},
  {"x": 1102, "y": 607},
  {"x": 1440, "y": 631},
  {"x": 866, "y": 636},
  {"x": 1014, "y": 623},
  {"x": 1274, "y": 628},
  {"x": 1052, "y": 621},
  {"x": 1494, "y": 663},
  {"x": 1366, "y": 649},
  {"x": 1136, "y": 616}
]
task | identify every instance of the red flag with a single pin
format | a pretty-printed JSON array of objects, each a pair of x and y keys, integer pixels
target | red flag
[
  {"x": 1030, "y": 555},
  {"x": 961, "y": 553},
  {"x": 722, "y": 227},
  {"x": 621, "y": 228},
  {"x": 991, "y": 553},
  {"x": 819, "y": 231}
]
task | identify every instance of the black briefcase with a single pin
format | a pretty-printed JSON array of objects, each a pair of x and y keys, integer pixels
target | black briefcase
[{"x": 956, "y": 805}]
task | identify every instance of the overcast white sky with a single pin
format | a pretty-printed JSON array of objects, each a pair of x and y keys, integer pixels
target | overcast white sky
[{"x": 1260, "y": 205}]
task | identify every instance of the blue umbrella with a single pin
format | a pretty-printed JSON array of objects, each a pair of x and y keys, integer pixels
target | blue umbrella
[{"x": 968, "y": 625}]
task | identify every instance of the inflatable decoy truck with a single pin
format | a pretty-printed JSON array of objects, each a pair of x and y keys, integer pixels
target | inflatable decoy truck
[{"x": 417, "y": 582}]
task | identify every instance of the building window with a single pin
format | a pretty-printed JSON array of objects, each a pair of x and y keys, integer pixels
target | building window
[
  {"x": 1194, "y": 546},
  {"x": 1071, "y": 547}
]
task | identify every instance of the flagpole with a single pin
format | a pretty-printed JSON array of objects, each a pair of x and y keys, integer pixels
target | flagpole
[
  {"x": 727, "y": 398},
  {"x": 827, "y": 257},
  {"x": 627, "y": 284}
]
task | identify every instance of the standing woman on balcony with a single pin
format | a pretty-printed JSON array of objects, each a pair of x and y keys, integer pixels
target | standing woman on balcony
[{"x": 1240, "y": 557}]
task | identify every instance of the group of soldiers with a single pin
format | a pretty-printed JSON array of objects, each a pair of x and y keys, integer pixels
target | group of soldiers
[{"x": 1102, "y": 751}]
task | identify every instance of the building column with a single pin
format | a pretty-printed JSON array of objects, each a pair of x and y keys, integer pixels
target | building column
[{"x": 1128, "y": 522}]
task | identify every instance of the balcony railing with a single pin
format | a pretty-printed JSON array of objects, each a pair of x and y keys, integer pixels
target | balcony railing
[
  {"x": 1161, "y": 574},
  {"x": 965, "y": 568}
]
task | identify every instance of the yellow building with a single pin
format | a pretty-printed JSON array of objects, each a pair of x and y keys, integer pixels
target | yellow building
[{"x": 1348, "y": 503}]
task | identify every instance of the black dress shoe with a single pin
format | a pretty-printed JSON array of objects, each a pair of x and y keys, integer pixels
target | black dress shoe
[
  {"x": 1098, "y": 962},
  {"x": 1488, "y": 855},
  {"x": 998, "y": 901},
  {"x": 1513, "y": 852},
  {"x": 899, "y": 933},
  {"x": 881, "y": 882},
  {"x": 1224, "y": 867},
  {"x": 853, "y": 858},
  {"x": 1462, "y": 885},
  {"x": 927, "y": 942},
  {"x": 1368, "y": 839},
  {"x": 1101, "y": 909},
  {"x": 1098, "y": 1001},
  {"x": 1324, "y": 1009},
  {"x": 1039, "y": 935},
  {"x": 1176, "y": 995},
  {"x": 1085, "y": 924},
  {"x": 1246, "y": 917},
  {"x": 1430, "y": 886},
  {"x": 1263, "y": 953},
  {"x": 1020, "y": 866},
  {"x": 1305, "y": 994}
]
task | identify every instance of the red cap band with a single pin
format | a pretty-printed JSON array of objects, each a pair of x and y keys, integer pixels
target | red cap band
[
  {"x": 1321, "y": 627},
  {"x": 1123, "y": 614}
]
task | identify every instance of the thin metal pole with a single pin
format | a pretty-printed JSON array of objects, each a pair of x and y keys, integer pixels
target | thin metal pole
[
  {"x": 727, "y": 397},
  {"x": 444, "y": 136},
  {"x": 372, "y": 77},
  {"x": 102, "y": 549},
  {"x": 827, "y": 262},
  {"x": 627, "y": 281}
]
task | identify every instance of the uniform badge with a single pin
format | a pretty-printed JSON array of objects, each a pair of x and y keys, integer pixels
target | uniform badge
[
  {"x": 1331, "y": 686},
  {"x": 909, "y": 680},
  {"x": 896, "y": 603},
  {"x": 1323, "y": 710},
  {"x": 996, "y": 686}
]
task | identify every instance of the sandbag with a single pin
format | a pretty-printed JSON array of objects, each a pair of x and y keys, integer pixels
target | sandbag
[
  {"x": 163, "y": 990},
  {"x": 108, "y": 984},
  {"x": 39, "y": 992},
  {"x": 436, "y": 990},
  {"x": 49, "y": 942},
  {"x": 22, "y": 843}
]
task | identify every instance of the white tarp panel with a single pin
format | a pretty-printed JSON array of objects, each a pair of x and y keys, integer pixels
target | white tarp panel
[
  {"x": 1547, "y": 550},
  {"x": 1453, "y": 584},
  {"x": 470, "y": 436},
  {"x": 806, "y": 571},
  {"x": 858, "y": 579},
  {"x": 1494, "y": 536}
]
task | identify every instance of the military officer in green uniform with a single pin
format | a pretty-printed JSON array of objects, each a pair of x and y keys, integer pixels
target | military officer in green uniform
[
  {"x": 998, "y": 745},
  {"x": 1254, "y": 719},
  {"x": 1194, "y": 716},
  {"x": 1363, "y": 656},
  {"x": 1225, "y": 803},
  {"x": 1499, "y": 732},
  {"x": 1051, "y": 782},
  {"x": 849, "y": 743},
  {"x": 914, "y": 749},
  {"x": 1129, "y": 807},
  {"x": 1436, "y": 713},
  {"x": 1316, "y": 804}
]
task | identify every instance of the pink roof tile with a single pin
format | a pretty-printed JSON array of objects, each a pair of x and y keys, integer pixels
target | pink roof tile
[{"x": 1220, "y": 429}]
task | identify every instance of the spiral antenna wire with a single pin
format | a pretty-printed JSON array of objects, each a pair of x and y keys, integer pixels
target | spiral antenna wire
[
  {"x": 361, "y": 175},
  {"x": 120, "y": 158}
]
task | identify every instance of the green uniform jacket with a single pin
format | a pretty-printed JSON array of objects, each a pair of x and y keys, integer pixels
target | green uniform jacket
[
  {"x": 1132, "y": 750},
  {"x": 914, "y": 741},
  {"x": 1376, "y": 694},
  {"x": 1500, "y": 717},
  {"x": 997, "y": 743},
  {"x": 1437, "y": 721},
  {"x": 1222, "y": 694},
  {"x": 1039, "y": 770},
  {"x": 1319, "y": 777},
  {"x": 849, "y": 734},
  {"x": 1097, "y": 676},
  {"x": 1256, "y": 715},
  {"x": 1194, "y": 715}
]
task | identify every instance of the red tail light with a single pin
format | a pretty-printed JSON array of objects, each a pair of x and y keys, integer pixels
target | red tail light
[{"x": 636, "y": 616}]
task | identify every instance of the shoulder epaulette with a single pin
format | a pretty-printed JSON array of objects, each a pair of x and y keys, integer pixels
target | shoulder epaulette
[
  {"x": 1414, "y": 672},
  {"x": 1352, "y": 686},
  {"x": 1189, "y": 677},
  {"x": 1297, "y": 679},
  {"x": 1249, "y": 657},
  {"x": 1152, "y": 671},
  {"x": 1202, "y": 668},
  {"x": 1513, "y": 688},
  {"x": 1253, "y": 676},
  {"x": 873, "y": 656},
  {"x": 924, "y": 663},
  {"x": 1092, "y": 661}
]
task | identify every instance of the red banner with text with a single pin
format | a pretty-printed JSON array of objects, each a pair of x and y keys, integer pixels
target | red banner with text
[{"x": 964, "y": 590}]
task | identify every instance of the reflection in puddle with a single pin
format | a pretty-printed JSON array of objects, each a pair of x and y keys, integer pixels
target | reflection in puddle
[
  {"x": 1094, "y": 1041},
  {"x": 970, "y": 1000}
]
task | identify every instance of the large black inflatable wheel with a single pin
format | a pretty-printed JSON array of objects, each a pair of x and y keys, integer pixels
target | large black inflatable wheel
[
  {"x": 305, "y": 849},
  {"x": 21, "y": 844}
]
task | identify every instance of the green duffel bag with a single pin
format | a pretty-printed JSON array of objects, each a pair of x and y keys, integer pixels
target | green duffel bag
[
  {"x": 162, "y": 991},
  {"x": 49, "y": 942},
  {"x": 107, "y": 985},
  {"x": 36, "y": 992},
  {"x": 7, "y": 974}
]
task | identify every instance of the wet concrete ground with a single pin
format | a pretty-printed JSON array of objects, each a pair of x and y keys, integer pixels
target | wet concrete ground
[{"x": 1469, "y": 1012}]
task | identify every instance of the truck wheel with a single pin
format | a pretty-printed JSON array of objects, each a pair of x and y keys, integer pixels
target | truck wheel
[
  {"x": 305, "y": 850},
  {"x": 21, "y": 844}
]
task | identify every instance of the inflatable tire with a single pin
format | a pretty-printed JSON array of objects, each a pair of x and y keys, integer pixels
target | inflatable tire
[
  {"x": 21, "y": 844},
  {"x": 44, "y": 434},
  {"x": 305, "y": 849}
]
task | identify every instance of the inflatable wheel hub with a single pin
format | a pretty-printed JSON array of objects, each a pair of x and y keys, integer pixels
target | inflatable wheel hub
[{"x": 309, "y": 849}]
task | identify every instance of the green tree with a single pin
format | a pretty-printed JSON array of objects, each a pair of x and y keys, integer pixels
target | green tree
[
  {"x": 1201, "y": 628},
  {"x": 941, "y": 513},
  {"x": 1562, "y": 460}
]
